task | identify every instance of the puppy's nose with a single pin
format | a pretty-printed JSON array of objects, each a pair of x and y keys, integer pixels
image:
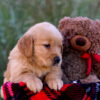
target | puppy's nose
[
  {"x": 56, "y": 60},
  {"x": 80, "y": 41}
]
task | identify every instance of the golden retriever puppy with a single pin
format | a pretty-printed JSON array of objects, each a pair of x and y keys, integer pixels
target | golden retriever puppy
[{"x": 37, "y": 56}]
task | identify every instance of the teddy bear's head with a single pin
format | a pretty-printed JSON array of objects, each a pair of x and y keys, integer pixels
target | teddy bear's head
[{"x": 81, "y": 35}]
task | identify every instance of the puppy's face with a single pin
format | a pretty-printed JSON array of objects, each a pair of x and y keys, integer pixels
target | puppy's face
[{"x": 43, "y": 44}]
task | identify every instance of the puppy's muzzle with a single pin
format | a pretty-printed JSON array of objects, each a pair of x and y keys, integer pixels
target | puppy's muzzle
[{"x": 56, "y": 60}]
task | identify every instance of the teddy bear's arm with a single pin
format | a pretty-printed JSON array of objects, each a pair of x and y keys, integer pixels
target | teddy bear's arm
[{"x": 96, "y": 67}]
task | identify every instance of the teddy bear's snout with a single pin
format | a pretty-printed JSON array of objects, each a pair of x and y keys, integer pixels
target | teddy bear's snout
[{"x": 80, "y": 43}]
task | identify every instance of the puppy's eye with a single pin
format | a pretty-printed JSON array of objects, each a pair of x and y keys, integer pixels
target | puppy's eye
[{"x": 47, "y": 45}]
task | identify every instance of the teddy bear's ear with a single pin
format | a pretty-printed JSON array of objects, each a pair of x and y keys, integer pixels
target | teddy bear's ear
[
  {"x": 97, "y": 23},
  {"x": 63, "y": 22},
  {"x": 95, "y": 38}
]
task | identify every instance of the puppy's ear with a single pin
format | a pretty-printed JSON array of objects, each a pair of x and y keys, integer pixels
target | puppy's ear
[{"x": 25, "y": 45}]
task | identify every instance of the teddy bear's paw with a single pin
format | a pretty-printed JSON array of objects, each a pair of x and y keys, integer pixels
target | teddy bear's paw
[
  {"x": 90, "y": 79},
  {"x": 55, "y": 84}
]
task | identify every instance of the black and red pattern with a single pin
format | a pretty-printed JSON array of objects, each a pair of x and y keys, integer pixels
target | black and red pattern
[{"x": 74, "y": 91}]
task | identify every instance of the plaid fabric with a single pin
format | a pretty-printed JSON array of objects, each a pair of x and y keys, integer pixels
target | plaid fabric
[{"x": 73, "y": 91}]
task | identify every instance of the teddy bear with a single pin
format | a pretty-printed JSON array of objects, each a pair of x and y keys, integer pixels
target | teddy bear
[{"x": 81, "y": 49}]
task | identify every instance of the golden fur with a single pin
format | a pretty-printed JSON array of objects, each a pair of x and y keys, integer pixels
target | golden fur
[{"x": 30, "y": 60}]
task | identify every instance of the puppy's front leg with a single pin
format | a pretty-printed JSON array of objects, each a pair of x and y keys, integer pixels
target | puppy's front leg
[
  {"x": 32, "y": 82},
  {"x": 53, "y": 78}
]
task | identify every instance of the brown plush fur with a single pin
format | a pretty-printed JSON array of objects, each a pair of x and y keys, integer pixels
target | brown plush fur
[
  {"x": 30, "y": 60},
  {"x": 74, "y": 67}
]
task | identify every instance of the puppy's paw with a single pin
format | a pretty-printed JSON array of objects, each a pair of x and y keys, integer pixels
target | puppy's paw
[
  {"x": 1, "y": 92},
  {"x": 55, "y": 84},
  {"x": 35, "y": 85}
]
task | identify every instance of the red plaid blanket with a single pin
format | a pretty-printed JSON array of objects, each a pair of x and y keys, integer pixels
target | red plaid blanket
[{"x": 74, "y": 91}]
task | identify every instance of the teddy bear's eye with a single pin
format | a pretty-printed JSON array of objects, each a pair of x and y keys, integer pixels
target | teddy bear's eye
[
  {"x": 76, "y": 33},
  {"x": 47, "y": 45},
  {"x": 86, "y": 35}
]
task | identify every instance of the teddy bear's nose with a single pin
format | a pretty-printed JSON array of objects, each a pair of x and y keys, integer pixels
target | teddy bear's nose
[{"x": 80, "y": 41}]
